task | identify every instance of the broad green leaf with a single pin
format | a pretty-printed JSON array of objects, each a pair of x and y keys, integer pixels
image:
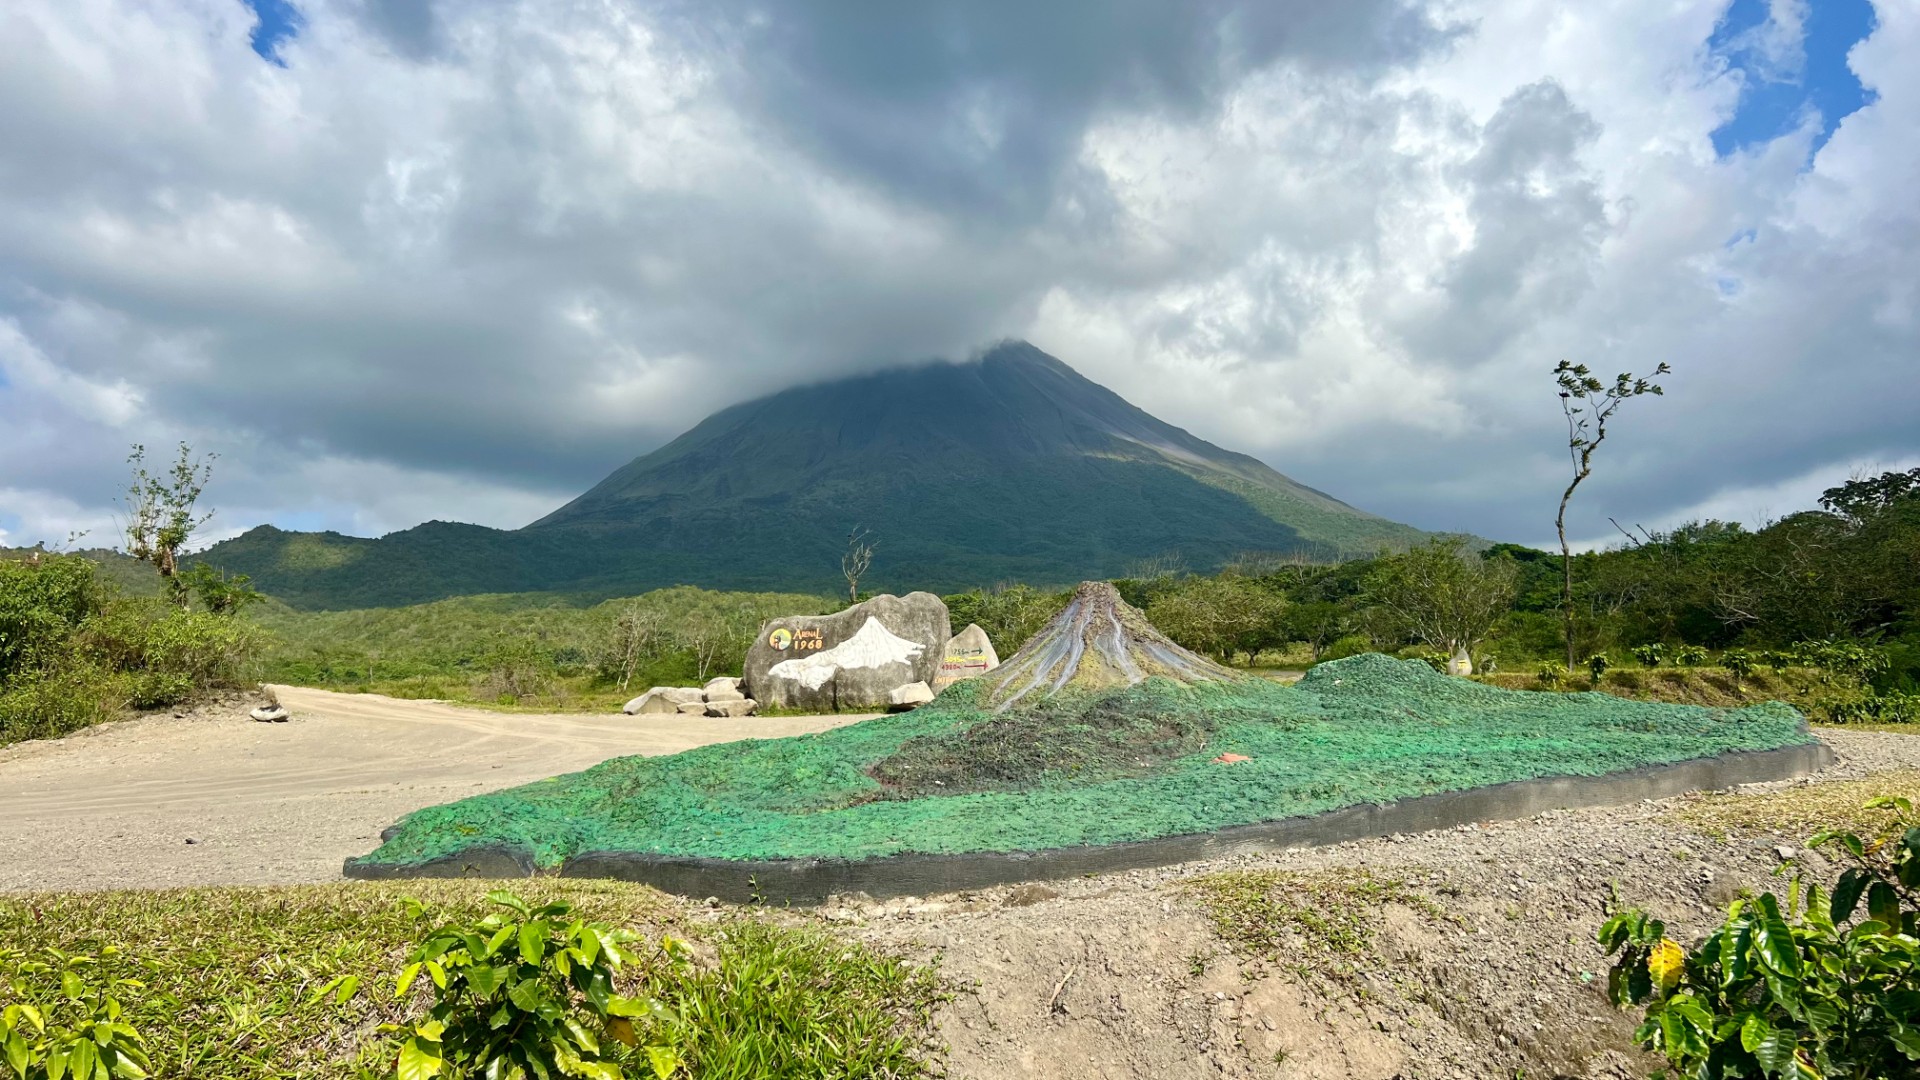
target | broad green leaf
[
  {"x": 407, "y": 975},
  {"x": 420, "y": 1060},
  {"x": 1846, "y": 894},
  {"x": 1883, "y": 903},
  {"x": 665, "y": 1061},
  {"x": 1773, "y": 940},
  {"x": 533, "y": 942},
  {"x": 1907, "y": 1038},
  {"x": 348, "y": 986},
  {"x": 1770, "y": 1046},
  {"x": 81, "y": 1059}
]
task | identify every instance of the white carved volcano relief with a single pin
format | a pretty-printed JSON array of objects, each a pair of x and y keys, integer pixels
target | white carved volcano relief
[{"x": 872, "y": 646}]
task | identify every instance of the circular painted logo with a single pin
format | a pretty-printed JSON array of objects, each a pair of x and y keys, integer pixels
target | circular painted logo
[{"x": 780, "y": 639}]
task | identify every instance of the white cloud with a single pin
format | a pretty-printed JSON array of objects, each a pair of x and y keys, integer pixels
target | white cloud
[{"x": 459, "y": 263}]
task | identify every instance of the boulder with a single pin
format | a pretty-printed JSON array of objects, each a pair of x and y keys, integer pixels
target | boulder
[
  {"x": 725, "y": 695},
  {"x": 910, "y": 695},
  {"x": 739, "y": 707},
  {"x": 968, "y": 656},
  {"x": 724, "y": 682},
  {"x": 848, "y": 660},
  {"x": 271, "y": 714},
  {"x": 693, "y": 708},
  {"x": 661, "y": 699}
]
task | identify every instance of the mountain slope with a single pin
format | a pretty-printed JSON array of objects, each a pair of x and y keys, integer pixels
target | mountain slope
[{"x": 1013, "y": 467}]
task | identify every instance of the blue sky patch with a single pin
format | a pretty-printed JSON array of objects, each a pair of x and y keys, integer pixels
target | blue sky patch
[
  {"x": 279, "y": 21},
  {"x": 1786, "y": 74}
]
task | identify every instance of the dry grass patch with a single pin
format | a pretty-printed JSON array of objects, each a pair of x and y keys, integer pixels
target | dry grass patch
[
  {"x": 1804, "y": 809},
  {"x": 1322, "y": 922}
]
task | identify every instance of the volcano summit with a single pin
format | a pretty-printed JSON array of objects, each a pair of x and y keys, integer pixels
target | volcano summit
[{"x": 1009, "y": 467}]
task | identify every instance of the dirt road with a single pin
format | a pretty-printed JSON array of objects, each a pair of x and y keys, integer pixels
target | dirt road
[{"x": 211, "y": 797}]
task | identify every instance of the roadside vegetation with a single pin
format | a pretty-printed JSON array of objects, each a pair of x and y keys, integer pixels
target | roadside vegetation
[
  {"x": 534, "y": 651},
  {"x": 301, "y": 982},
  {"x": 75, "y": 650}
]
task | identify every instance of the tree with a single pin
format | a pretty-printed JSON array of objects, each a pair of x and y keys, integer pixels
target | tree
[
  {"x": 856, "y": 562},
  {"x": 1220, "y": 616},
  {"x": 636, "y": 634},
  {"x": 1442, "y": 594},
  {"x": 160, "y": 514},
  {"x": 1588, "y": 405}
]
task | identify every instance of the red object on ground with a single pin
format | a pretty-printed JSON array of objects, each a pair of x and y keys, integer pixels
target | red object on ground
[{"x": 1230, "y": 759}]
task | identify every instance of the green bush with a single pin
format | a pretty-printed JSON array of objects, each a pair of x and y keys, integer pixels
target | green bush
[
  {"x": 1799, "y": 989},
  {"x": 64, "y": 1021},
  {"x": 526, "y": 994},
  {"x": 74, "y": 652}
]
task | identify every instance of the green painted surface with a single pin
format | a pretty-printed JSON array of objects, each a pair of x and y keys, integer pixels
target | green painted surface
[{"x": 1366, "y": 729}]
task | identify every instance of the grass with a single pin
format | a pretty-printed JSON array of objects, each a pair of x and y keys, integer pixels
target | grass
[
  {"x": 1804, "y": 809},
  {"x": 231, "y": 977},
  {"x": 1320, "y": 922},
  {"x": 559, "y": 648},
  {"x": 1803, "y": 688}
]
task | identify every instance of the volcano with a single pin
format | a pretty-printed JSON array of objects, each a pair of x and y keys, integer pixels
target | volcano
[{"x": 1012, "y": 466}]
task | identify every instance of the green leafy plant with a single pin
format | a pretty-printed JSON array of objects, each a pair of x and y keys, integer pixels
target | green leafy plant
[
  {"x": 1739, "y": 663},
  {"x": 76, "y": 1031},
  {"x": 527, "y": 993},
  {"x": 1597, "y": 665},
  {"x": 1690, "y": 655},
  {"x": 1889, "y": 708},
  {"x": 1800, "y": 988},
  {"x": 1551, "y": 673},
  {"x": 1649, "y": 654}
]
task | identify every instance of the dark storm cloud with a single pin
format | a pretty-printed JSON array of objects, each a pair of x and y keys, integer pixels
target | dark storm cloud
[{"x": 979, "y": 106}]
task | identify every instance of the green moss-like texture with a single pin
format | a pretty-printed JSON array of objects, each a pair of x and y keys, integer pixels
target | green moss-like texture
[{"x": 1368, "y": 729}]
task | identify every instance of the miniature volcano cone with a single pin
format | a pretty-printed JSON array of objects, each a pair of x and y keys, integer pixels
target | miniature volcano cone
[{"x": 1097, "y": 642}]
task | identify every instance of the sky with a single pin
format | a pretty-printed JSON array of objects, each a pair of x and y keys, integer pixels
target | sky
[{"x": 402, "y": 260}]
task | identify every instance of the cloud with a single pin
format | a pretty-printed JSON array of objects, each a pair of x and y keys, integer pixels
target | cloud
[{"x": 460, "y": 260}]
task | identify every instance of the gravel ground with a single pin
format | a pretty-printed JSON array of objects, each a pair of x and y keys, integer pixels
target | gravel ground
[{"x": 1123, "y": 976}]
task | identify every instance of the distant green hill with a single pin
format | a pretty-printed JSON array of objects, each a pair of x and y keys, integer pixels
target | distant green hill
[{"x": 1011, "y": 467}]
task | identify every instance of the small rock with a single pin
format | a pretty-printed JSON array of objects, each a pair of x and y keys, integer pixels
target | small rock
[
  {"x": 662, "y": 699},
  {"x": 1784, "y": 852},
  {"x": 270, "y": 714},
  {"x": 910, "y": 694},
  {"x": 191, "y": 840}
]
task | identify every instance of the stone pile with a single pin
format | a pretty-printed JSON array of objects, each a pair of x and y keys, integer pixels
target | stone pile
[{"x": 719, "y": 697}]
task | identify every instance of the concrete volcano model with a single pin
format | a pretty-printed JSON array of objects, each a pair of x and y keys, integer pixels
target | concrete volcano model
[{"x": 1097, "y": 642}]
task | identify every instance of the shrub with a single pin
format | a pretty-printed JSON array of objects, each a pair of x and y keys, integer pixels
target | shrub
[
  {"x": 72, "y": 653},
  {"x": 1891, "y": 708},
  {"x": 1793, "y": 989},
  {"x": 1596, "y": 666},
  {"x": 64, "y": 1021},
  {"x": 1350, "y": 645},
  {"x": 527, "y": 993},
  {"x": 1649, "y": 654},
  {"x": 1551, "y": 673},
  {"x": 1690, "y": 655},
  {"x": 1739, "y": 663}
]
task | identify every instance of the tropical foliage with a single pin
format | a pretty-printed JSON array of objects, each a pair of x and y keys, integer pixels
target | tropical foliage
[{"x": 1823, "y": 983}]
